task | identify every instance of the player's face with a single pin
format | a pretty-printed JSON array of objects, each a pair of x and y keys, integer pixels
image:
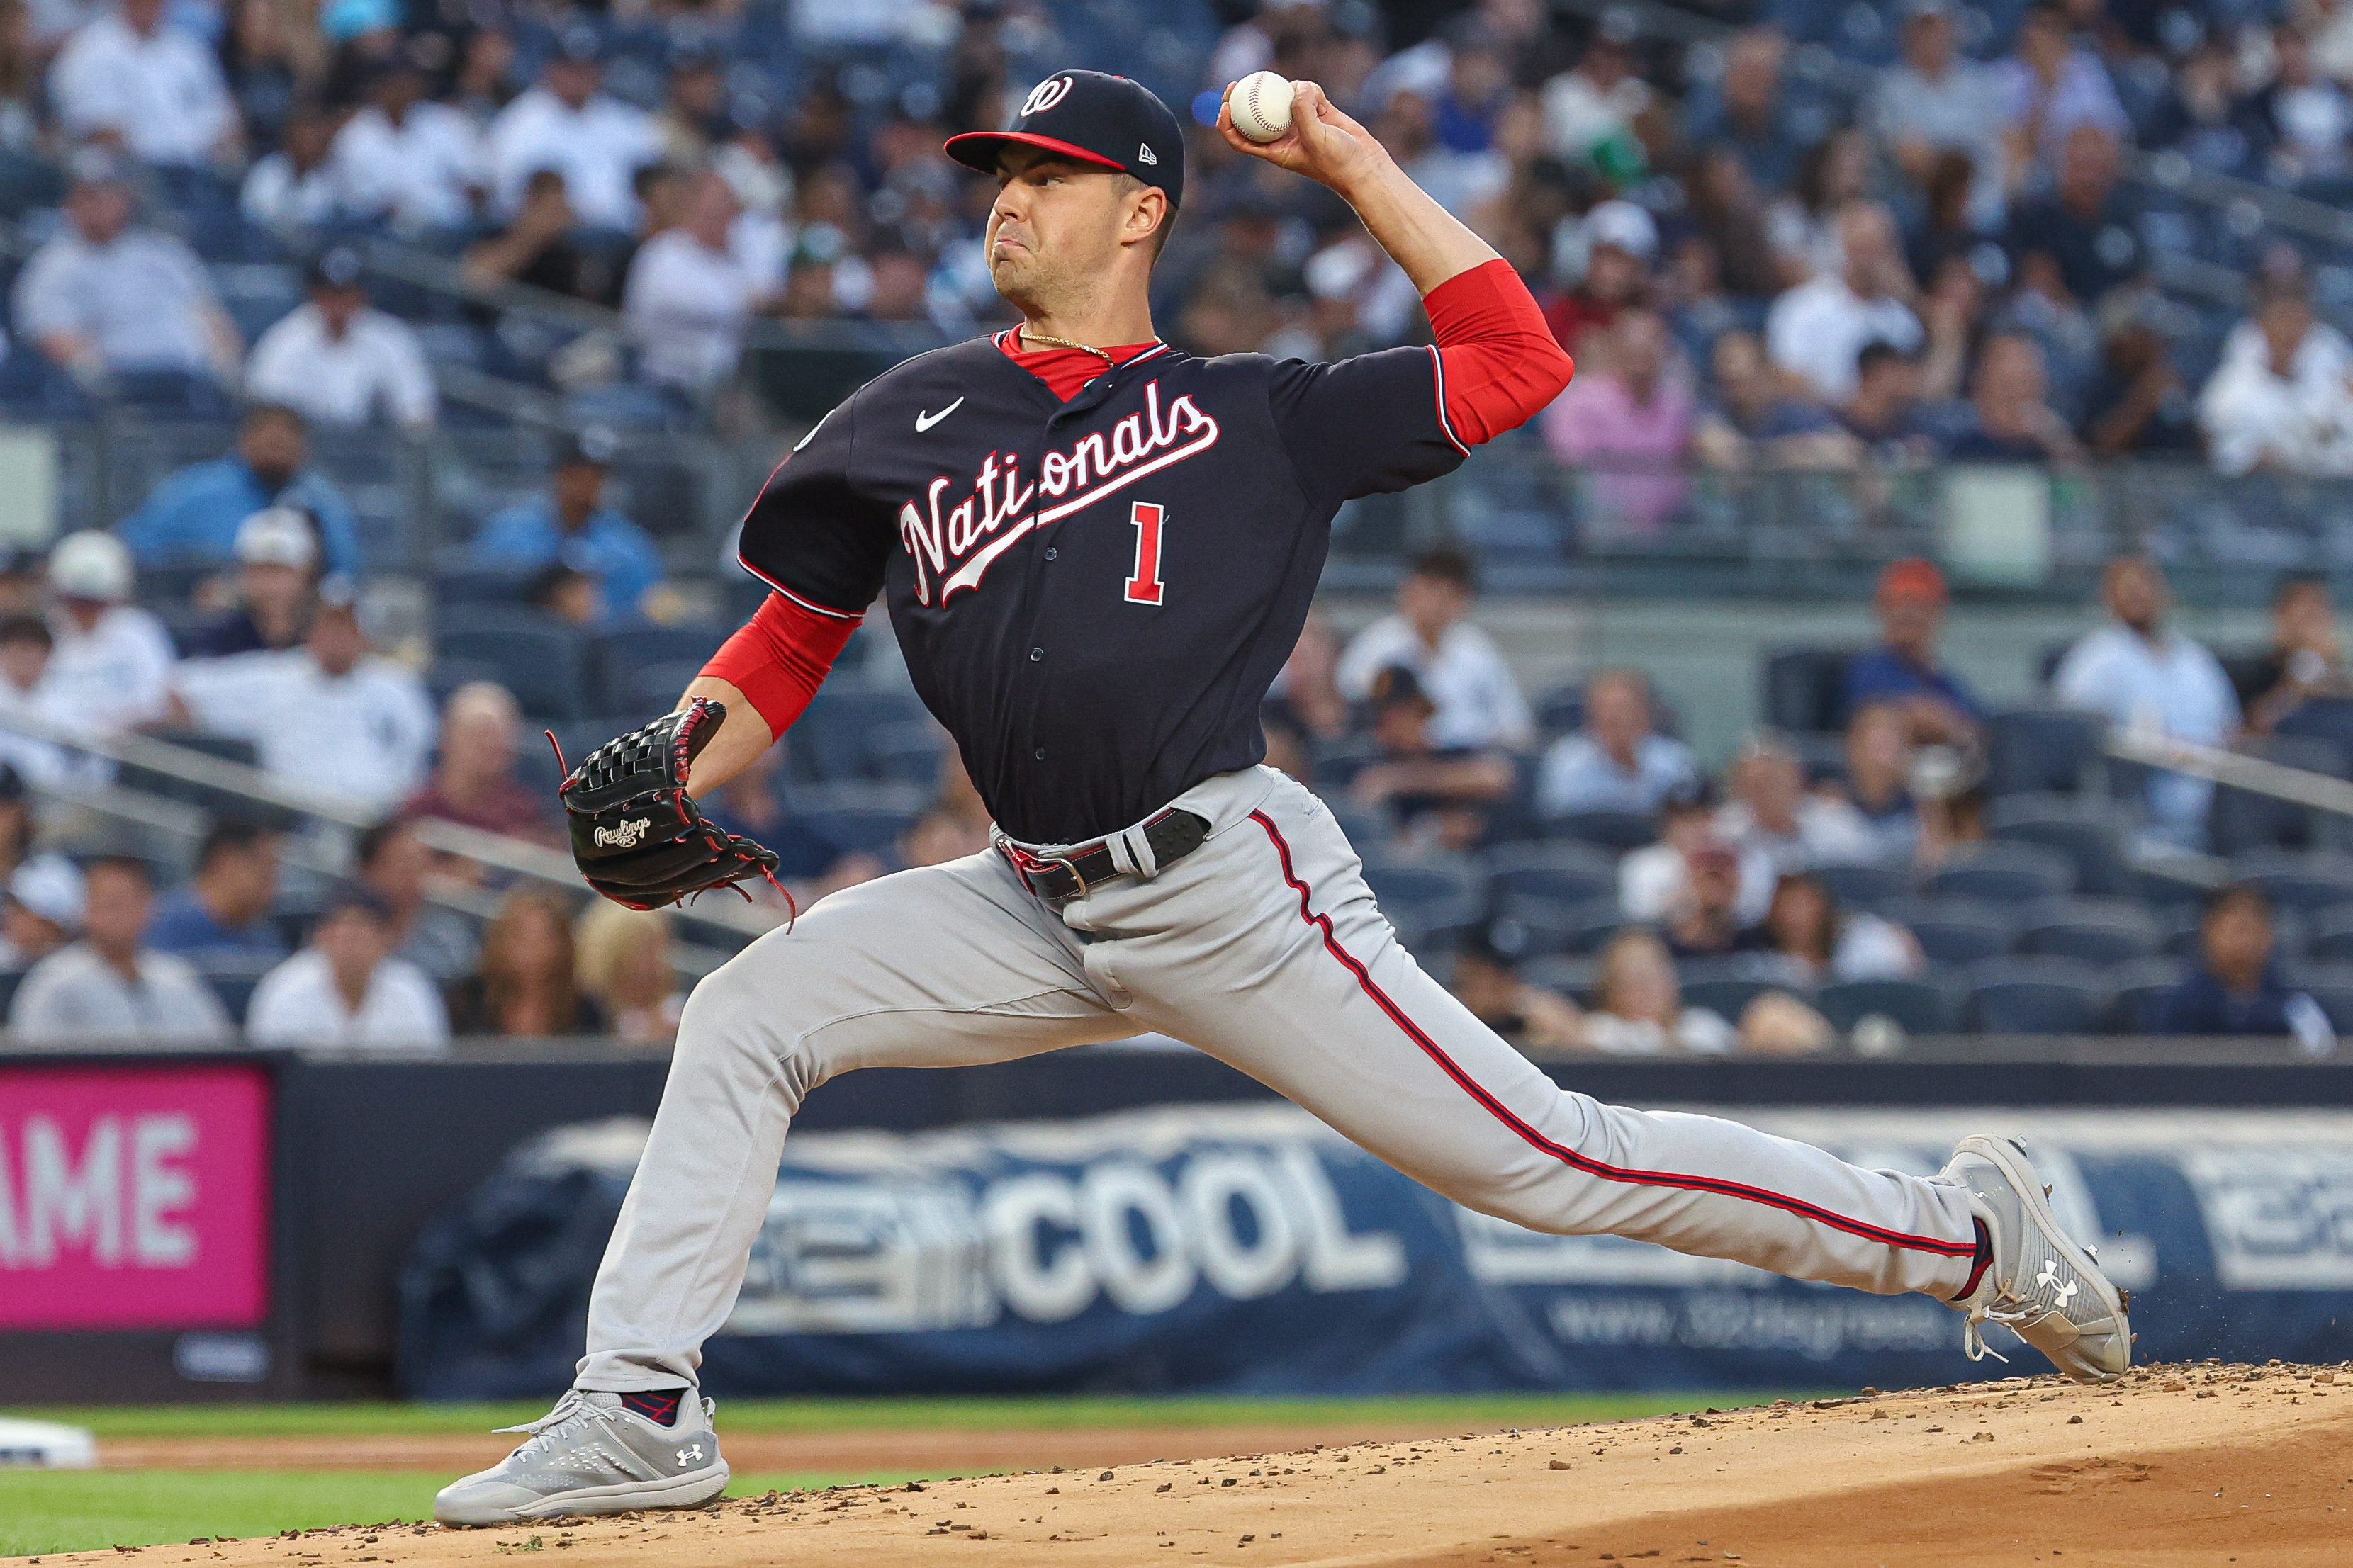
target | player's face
[{"x": 1053, "y": 230}]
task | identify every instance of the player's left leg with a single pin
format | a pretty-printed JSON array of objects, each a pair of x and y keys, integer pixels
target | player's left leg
[{"x": 1264, "y": 949}]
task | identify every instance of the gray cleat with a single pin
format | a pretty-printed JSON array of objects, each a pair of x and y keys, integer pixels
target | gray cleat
[
  {"x": 2041, "y": 1284},
  {"x": 593, "y": 1455}
]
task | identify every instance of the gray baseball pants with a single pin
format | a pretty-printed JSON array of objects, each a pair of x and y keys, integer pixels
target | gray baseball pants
[{"x": 1263, "y": 948}]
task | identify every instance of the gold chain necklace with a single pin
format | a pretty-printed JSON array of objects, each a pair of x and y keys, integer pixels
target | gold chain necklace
[{"x": 1066, "y": 344}]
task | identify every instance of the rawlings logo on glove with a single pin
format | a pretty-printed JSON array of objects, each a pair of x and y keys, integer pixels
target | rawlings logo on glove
[{"x": 636, "y": 834}]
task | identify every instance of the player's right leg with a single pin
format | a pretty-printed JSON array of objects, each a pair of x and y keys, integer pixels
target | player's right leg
[{"x": 943, "y": 966}]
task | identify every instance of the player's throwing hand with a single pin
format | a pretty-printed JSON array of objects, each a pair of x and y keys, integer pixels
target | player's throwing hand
[{"x": 1322, "y": 144}]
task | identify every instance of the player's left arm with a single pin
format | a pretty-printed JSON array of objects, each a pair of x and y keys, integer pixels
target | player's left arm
[{"x": 1501, "y": 363}]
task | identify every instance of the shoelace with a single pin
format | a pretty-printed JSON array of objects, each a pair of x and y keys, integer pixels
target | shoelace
[{"x": 570, "y": 1412}]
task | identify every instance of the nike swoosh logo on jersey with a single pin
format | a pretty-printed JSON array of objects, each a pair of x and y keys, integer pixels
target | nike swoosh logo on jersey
[{"x": 925, "y": 421}]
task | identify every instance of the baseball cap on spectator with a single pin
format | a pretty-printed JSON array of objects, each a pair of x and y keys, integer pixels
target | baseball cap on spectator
[
  {"x": 97, "y": 166},
  {"x": 90, "y": 564},
  {"x": 1096, "y": 119},
  {"x": 337, "y": 267},
  {"x": 1912, "y": 579},
  {"x": 276, "y": 536},
  {"x": 1625, "y": 226},
  {"x": 1398, "y": 686},
  {"x": 50, "y": 886},
  {"x": 580, "y": 45},
  {"x": 357, "y": 897},
  {"x": 594, "y": 447}
]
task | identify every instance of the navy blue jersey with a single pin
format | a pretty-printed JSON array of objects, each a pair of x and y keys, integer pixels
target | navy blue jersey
[{"x": 1093, "y": 597}]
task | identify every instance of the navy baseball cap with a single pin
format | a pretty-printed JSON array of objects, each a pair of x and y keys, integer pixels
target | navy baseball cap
[{"x": 1106, "y": 120}]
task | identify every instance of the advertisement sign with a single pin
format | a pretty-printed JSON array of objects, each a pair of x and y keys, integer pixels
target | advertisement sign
[
  {"x": 136, "y": 1197},
  {"x": 1248, "y": 1249}
]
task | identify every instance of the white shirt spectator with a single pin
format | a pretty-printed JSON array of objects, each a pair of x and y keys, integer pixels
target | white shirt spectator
[
  {"x": 364, "y": 736},
  {"x": 1651, "y": 879},
  {"x": 599, "y": 149},
  {"x": 1829, "y": 833},
  {"x": 276, "y": 195},
  {"x": 297, "y": 1004},
  {"x": 375, "y": 369},
  {"x": 2302, "y": 422},
  {"x": 2326, "y": 355},
  {"x": 142, "y": 299},
  {"x": 2174, "y": 685},
  {"x": 1478, "y": 703},
  {"x": 74, "y": 996},
  {"x": 1579, "y": 774},
  {"x": 1698, "y": 1031},
  {"x": 161, "y": 92},
  {"x": 42, "y": 763},
  {"x": 422, "y": 171},
  {"x": 1961, "y": 111},
  {"x": 1818, "y": 328},
  {"x": 685, "y": 306},
  {"x": 112, "y": 678}
]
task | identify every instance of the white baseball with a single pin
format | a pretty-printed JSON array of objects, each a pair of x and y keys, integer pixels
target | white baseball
[{"x": 1261, "y": 105}]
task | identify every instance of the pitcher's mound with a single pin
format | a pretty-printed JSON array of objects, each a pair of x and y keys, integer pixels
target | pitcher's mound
[{"x": 2173, "y": 1468}]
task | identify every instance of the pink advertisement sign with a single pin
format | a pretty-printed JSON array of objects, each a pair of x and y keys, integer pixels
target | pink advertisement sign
[{"x": 133, "y": 1197}]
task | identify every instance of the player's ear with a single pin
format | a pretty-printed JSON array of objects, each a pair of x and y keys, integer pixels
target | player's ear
[{"x": 1147, "y": 213}]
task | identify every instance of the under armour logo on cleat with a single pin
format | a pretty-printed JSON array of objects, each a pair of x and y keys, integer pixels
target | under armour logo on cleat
[
  {"x": 2049, "y": 1280},
  {"x": 692, "y": 1453}
]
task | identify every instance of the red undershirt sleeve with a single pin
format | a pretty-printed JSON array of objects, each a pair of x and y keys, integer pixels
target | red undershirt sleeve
[
  {"x": 1501, "y": 363},
  {"x": 779, "y": 657}
]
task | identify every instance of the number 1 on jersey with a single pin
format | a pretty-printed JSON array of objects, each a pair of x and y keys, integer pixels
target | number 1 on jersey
[{"x": 1144, "y": 588}]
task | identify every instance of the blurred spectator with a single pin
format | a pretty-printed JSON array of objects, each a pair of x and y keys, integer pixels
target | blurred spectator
[
  {"x": 2308, "y": 347},
  {"x": 1883, "y": 415},
  {"x": 474, "y": 783},
  {"x": 536, "y": 247},
  {"x": 2307, "y": 114},
  {"x": 223, "y": 912},
  {"x": 155, "y": 91},
  {"x": 2014, "y": 424},
  {"x": 525, "y": 985},
  {"x": 568, "y": 125},
  {"x": 810, "y": 865},
  {"x": 565, "y": 594},
  {"x": 295, "y": 187},
  {"x": 1879, "y": 760},
  {"x": 24, "y": 645},
  {"x": 1619, "y": 240},
  {"x": 2306, "y": 657},
  {"x": 108, "y": 988},
  {"x": 1939, "y": 101},
  {"x": 1802, "y": 224},
  {"x": 2137, "y": 402},
  {"x": 17, "y": 824},
  {"x": 1637, "y": 1006},
  {"x": 2085, "y": 225},
  {"x": 1728, "y": 217},
  {"x": 1594, "y": 105},
  {"x": 1749, "y": 111},
  {"x": 1616, "y": 763},
  {"x": 1818, "y": 328},
  {"x": 2051, "y": 89},
  {"x": 331, "y": 717},
  {"x": 1703, "y": 919},
  {"x": 339, "y": 361},
  {"x": 1631, "y": 421},
  {"x": 624, "y": 963},
  {"x": 404, "y": 158},
  {"x": 2280, "y": 400},
  {"x": 109, "y": 661},
  {"x": 192, "y": 518},
  {"x": 276, "y": 561},
  {"x": 2142, "y": 674},
  {"x": 1433, "y": 793},
  {"x": 394, "y": 863},
  {"x": 41, "y": 911},
  {"x": 1772, "y": 811},
  {"x": 1943, "y": 232},
  {"x": 688, "y": 299},
  {"x": 103, "y": 298},
  {"x": 1938, "y": 705},
  {"x": 572, "y": 523},
  {"x": 1458, "y": 666},
  {"x": 1656, "y": 879},
  {"x": 1810, "y": 942},
  {"x": 694, "y": 115},
  {"x": 2204, "y": 116},
  {"x": 2233, "y": 986},
  {"x": 346, "y": 988},
  {"x": 1756, "y": 422},
  {"x": 1305, "y": 700},
  {"x": 1529, "y": 1017}
]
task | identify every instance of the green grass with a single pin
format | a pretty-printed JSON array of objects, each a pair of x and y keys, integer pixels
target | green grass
[
  {"x": 223, "y": 1421},
  {"x": 81, "y": 1510},
  {"x": 66, "y": 1511}
]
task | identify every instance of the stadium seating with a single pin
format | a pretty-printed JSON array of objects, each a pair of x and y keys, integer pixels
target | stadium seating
[
  {"x": 2003, "y": 873},
  {"x": 2036, "y": 997},
  {"x": 1916, "y": 1007},
  {"x": 1569, "y": 872},
  {"x": 2097, "y": 931},
  {"x": 542, "y": 660}
]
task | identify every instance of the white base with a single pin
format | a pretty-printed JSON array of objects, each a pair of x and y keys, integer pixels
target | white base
[{"x": 46, "y": 1444}]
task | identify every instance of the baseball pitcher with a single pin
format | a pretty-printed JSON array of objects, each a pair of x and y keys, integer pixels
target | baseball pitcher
[{"x": 1097, "y": 552}]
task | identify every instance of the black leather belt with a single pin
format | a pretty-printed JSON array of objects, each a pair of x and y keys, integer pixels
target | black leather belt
[{"x": 1173, "y": 835}]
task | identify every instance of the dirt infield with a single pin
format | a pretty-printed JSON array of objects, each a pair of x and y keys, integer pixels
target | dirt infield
[{"x": 2177, "y": 1468}]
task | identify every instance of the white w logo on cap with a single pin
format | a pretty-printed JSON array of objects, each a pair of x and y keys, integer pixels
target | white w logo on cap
[{"x": 1045, "y": 95}]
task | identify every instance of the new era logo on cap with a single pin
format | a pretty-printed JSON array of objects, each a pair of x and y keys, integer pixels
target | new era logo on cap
[{"x": 1091, "y": 118}]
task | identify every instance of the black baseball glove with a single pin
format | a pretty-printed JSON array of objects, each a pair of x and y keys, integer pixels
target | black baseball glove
[{"x": 636, "y": 836}]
